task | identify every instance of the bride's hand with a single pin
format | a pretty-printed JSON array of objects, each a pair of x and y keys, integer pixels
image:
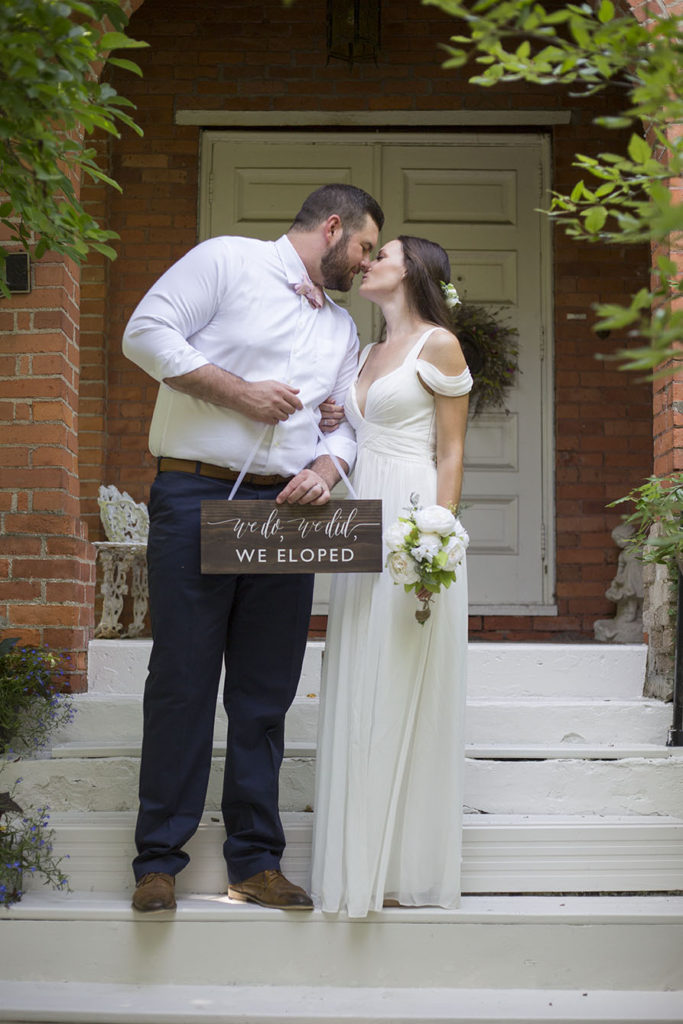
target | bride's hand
[{"x": 331, "y": 415}]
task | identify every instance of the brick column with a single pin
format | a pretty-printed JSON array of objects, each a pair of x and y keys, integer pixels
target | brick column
[
  {"x": 668, "y": 390},
  {"x": 46, "y": 562},
  {"x": 47, "y": 565},
  {"x": 667, "y": 427}
]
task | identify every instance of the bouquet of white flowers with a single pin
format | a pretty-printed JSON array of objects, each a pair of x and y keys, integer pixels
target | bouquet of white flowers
[{"x": 426, "y": 546}]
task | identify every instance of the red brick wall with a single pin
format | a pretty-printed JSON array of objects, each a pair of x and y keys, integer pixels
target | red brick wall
[
  {"x": 258, "y": 56},
  {"x": 46, "y": 563}
]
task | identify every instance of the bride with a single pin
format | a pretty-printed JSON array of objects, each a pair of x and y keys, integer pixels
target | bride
[{"x": 388, "y": 809}]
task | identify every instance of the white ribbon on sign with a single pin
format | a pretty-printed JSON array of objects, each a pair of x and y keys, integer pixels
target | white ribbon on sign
[
  {"x": 335, "y": 460},
  {"x": 257, "y": 444},
  {"x": 248, "y": 461}
]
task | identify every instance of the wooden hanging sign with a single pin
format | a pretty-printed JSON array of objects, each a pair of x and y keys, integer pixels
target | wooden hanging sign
[{"x": 262, "y": 537}]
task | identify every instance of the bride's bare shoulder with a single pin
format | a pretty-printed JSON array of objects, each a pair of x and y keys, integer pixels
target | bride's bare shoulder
[{"x": 442, "y": 349}]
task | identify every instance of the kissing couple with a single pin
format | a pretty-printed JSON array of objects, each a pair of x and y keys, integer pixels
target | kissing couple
[{"x": 243, "y": 339}]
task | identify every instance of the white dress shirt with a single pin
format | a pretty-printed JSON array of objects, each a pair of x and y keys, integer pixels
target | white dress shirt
[{"x": 230, "y": 301}]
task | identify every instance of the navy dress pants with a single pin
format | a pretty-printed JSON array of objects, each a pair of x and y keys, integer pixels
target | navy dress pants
[{"x": 257, "y": 625}]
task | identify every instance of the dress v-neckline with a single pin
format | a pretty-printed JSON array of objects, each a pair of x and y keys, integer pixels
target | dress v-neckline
[{"x": 384, "y": 376}]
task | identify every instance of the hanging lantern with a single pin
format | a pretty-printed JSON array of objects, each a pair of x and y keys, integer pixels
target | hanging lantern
[{"x": 353, "y": 29}]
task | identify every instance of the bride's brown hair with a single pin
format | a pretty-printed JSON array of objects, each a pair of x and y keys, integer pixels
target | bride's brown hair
[{"x": 426, "y": 267}]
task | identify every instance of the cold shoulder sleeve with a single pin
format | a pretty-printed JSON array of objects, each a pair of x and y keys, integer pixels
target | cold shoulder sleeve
[{"x": 441, "y": 384}]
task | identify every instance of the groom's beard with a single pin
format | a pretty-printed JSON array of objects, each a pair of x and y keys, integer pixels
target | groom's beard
[{"x": 334, "y": 266}]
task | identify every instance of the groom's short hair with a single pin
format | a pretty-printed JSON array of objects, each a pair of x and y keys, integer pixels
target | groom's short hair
[{"x": 351, "y": 204}]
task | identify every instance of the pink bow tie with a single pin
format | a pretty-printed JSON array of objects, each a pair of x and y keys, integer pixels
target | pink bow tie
[{"x": 310, "y": 291}]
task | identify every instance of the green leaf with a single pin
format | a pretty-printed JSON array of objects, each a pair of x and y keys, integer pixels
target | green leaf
[
  {"x": 127, "y": 65},
  {"x": 105, "y": 250},
  {"x": 605, "y": 190},
  {"x": 578, "y": 29},
  {"x": 638, "y": 149},
  {"x": 118, "y": 41},
  {"x": 606, "y": 11},
  {"x": 621, "y": 121},
  {"x": 616, "y": 318},
  {"x": 595, "y": 218},
  {"x": 665, "y": 265}
]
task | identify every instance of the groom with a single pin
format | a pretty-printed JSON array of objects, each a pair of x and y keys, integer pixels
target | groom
[{"x": 239, "y": 334}]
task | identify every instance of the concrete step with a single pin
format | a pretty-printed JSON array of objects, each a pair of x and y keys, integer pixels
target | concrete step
[
  {"x": 567, "y": 780},
  {"x": 527, "y": 720},
  {"x": 93, "y": 1003},
  {"x": 572, "y": 943},
  {"x": 502, "y": 671},
  {"x": 501, "y": 853},
  {"x": 130, "y": 747}
]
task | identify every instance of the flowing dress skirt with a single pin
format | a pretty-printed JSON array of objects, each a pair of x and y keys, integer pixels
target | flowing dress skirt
[{"x": 389, "y": 790}]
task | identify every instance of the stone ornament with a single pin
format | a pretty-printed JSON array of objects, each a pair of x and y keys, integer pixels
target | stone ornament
[
  {"x": 122, "y": 556},
  {"x": 626, "y": 591}
]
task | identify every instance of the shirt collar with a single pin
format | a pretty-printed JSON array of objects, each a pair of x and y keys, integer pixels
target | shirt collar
[{"x": 292, "y": 263}]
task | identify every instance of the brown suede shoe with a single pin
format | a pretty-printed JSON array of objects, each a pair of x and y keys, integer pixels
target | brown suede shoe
[
  {"x": 154, "y": 892},
  {"x": 270, "y": 889}
]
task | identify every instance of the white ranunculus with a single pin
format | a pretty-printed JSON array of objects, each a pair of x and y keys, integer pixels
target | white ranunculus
[
  {"x": 396, "y": 534},
  {"x": 402, "y": 568},
  {"x": 460, "y": 531},
  {"x": 428, "y": 546},
  {"x": 435, "y": 519},
  {"x": 455, "y": 552}
]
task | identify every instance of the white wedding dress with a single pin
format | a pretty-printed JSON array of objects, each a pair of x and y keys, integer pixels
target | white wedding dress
[{"x": 388, "y": 808}]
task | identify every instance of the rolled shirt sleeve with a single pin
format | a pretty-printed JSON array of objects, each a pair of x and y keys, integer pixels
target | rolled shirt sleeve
[{"x": 159, "y": 335}]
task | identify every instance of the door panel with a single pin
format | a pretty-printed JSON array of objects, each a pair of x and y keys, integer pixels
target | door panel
[{"x": 478, "y": 198}]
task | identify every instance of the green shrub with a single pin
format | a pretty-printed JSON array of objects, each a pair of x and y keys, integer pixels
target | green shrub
[{"x": 32, "y": 707}]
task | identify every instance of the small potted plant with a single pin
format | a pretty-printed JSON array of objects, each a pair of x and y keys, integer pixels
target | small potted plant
[{"x": 32, "y": 707}]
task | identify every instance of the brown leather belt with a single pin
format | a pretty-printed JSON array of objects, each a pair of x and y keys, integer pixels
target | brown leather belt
[{"x": 166, "y": 465}]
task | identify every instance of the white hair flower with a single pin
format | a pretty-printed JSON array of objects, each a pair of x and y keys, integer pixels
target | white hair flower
[{"x": 450, "y": 294}]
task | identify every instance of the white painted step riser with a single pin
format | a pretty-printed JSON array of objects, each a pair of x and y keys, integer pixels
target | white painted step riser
[
  {"x": 92, "y": 1003},
  {"x": 628, "y": 786},
  {"x": 488, "y": 721},
  {"x": 310, "y": 949},
  {"x": 499, "y": 855},
  {"x": 111, "y": 717},
  {"x": 100, "y": 749},
  {"x": 494, "y": 670}
]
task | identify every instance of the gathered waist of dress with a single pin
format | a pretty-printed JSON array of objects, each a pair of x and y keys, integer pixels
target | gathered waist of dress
[{"x": 392, "y": 442}]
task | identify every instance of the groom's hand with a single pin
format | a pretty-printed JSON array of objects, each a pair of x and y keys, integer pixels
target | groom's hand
[
  {"x": 306, "y": 488},
  {"x": 267, "y": 401}
]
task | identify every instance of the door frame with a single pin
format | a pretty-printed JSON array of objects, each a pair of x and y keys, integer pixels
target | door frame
[{"x": 547, "y": 606}]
